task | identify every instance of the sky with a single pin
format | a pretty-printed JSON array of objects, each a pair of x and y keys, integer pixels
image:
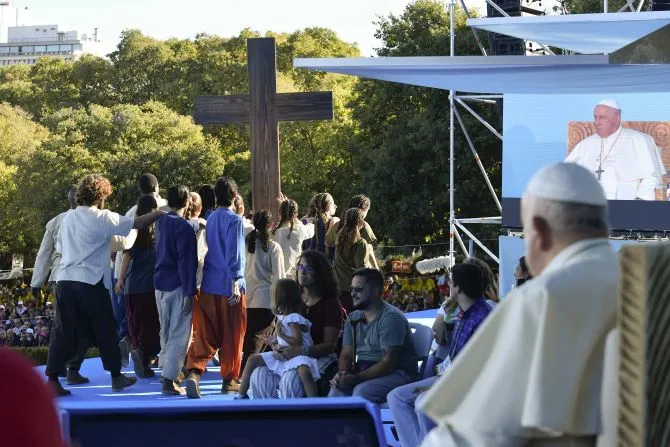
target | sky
[{"x": 352, "y": 20}]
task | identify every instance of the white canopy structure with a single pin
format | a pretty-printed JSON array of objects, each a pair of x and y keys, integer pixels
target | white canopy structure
[
  {"x": 504, "y": 74},
  {"x": 488, "y": 77},
  {"x": 581, "y": 33}
]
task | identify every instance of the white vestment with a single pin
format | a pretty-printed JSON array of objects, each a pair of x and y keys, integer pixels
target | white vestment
[
  {"x": 631, "y": 164},
  {"x": 533, "y": 370}
]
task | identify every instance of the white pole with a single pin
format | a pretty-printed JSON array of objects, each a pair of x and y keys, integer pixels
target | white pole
[
  {"x": 452, "y": 217},
  {"x": 604, "y": 5}
]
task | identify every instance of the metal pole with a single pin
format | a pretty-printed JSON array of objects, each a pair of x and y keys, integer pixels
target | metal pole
[
  {"x": 460, "y": 242},
  {"x": 471, "y": 248},
  {"x": 452, "y": 217},
  {"x": 478, "y": 242},
  {"x": 478, "y": 160},
  {"x": 474, "y": 31},
  {"x": 480, "y": 119},
  {"x": 604, "y": 5}
]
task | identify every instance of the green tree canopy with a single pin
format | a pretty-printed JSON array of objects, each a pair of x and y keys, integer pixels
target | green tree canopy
[
  {"x": 403, "y": 136},
  {"x": 120, "y": 142}
]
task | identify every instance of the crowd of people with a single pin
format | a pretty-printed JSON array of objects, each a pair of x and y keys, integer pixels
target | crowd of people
[
  {"x": 194, "y": 278},
  {"x": 23, "y": 321},
  {"x": 198, "y": 280}
]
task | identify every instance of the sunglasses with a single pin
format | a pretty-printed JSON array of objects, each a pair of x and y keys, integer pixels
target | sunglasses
[{"x": 305, "y": 268}]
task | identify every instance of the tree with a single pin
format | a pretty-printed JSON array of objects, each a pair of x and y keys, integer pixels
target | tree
[
  {"x": 402, "y": 144},
  {"x": 20, "y": 138},
  {"x": 174, "y": 72},
  {"x": 121, "y": 143},
  {"x": 587, "y": 6}
]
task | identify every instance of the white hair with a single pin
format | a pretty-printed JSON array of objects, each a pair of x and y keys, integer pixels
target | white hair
[{"x": 570, "y": 217}]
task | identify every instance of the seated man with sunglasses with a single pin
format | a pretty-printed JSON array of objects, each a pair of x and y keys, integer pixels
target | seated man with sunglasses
[{"x": 377, "y": 349}]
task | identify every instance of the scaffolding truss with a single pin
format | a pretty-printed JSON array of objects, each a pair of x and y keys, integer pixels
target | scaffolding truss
[{"x": 457, "y": 225}]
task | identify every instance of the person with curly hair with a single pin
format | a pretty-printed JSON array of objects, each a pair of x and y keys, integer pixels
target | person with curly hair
[
  {"x": 48, "y": 260},
  {"x": 84, "y": 281}
]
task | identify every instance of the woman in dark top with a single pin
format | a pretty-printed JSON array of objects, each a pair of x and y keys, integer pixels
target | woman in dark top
[
  {"x": 136, "y": 285},
  {"x": 324, "y": 311}
]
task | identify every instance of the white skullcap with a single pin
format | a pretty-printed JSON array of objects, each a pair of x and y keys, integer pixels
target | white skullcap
[
  {"x": 609, "y": 103},
  {"x": 567, "y": 182}
]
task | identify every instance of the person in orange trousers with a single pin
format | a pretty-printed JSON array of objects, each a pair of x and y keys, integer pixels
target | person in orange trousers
[{"x": 221, "y": 315}]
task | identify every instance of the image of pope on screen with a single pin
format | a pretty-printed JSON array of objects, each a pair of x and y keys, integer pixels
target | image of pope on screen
[{"x": 627, "y": 162}]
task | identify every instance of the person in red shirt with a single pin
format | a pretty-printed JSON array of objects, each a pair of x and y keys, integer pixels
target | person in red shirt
[{"x": 28, "y": 394}]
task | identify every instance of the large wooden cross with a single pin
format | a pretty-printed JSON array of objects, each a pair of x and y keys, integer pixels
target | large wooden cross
[{"x": 263, "y": 108}]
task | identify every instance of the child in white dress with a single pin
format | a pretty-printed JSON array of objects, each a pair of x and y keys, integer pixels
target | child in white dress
[{"x": 292, "y": 329}]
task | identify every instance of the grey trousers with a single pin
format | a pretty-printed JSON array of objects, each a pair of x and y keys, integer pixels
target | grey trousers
[
  {"x": 176, "y": 328},
  {"x": 375, "y": 390}
]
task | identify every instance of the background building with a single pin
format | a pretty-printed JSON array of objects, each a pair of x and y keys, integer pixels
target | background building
[
  {"x": 26, "y": 44},
  {"x": 22, "y": 43}
]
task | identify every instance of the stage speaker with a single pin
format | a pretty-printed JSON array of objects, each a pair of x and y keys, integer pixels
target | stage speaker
[
  {"x": 660, "y": 5},
  {"x": 212, "y": 422}
]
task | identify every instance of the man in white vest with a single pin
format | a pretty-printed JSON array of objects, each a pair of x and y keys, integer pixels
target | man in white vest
[
  {"x": 626, "y": 161},
  {"x": 532, "y": 373}
]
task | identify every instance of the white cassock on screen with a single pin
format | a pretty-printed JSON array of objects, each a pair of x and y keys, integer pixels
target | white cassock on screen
[{"x": 627, "y": 163}]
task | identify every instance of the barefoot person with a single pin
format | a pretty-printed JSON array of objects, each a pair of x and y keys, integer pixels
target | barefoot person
[{"x": 84, "y": 280}]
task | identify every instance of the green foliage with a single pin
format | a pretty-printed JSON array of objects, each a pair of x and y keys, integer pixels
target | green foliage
[
  {"x": 587, "y": 6},
  {"x": 131, "y": 114},
  {"x": 20, "y": 138},
  {"x": 120, "y": 142},
  {"x": 403, "y": 136}
]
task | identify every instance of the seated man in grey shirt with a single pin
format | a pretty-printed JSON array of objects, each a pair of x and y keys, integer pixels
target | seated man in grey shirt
[{"x": 377, "y": 350}]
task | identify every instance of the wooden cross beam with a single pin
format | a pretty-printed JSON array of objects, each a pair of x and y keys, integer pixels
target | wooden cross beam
[{"x": 263, "y": 108}]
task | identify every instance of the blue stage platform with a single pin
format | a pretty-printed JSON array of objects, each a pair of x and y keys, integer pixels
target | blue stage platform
[
  {"x": 140, "y": 415},
  {"x": 94, "y": 415}
]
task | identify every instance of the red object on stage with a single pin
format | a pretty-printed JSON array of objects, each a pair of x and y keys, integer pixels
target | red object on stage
[{"x": 29, "y": 414}]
